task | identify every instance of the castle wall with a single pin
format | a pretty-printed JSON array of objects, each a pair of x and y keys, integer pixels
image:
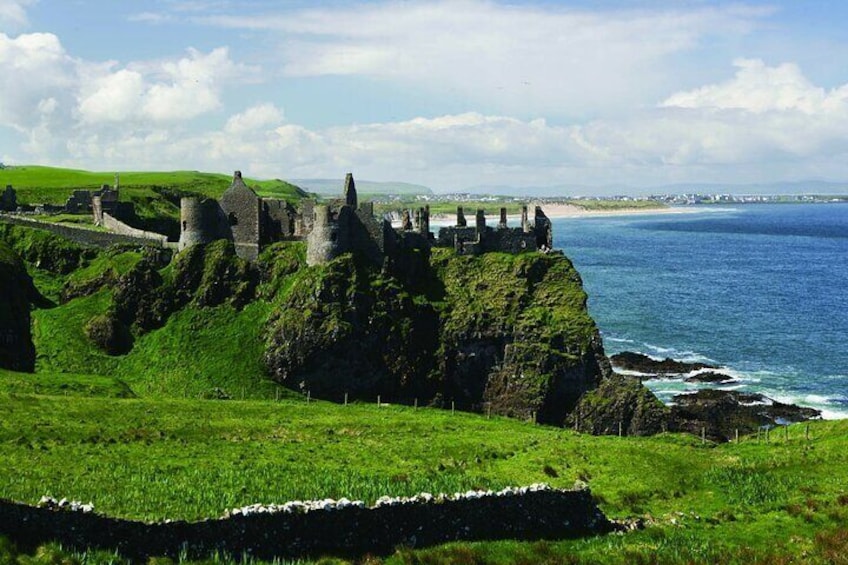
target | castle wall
[
  {"x": 465, "y": 240},
  {"x": 242, "y": 208},
  {"x": 277, "y": 220},
  {"x": 81, "y": 235},
  {"x": 116, "y": 226}
]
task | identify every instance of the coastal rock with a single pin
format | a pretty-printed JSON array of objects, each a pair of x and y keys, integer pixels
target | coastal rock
[
  {"x": 17, "y": 293},
  {"x": 619, "y": 405},
  {"x": 630, "y": 361},
  {"x": 711, "y": 377},
  {"x": 720, "y": 413}
]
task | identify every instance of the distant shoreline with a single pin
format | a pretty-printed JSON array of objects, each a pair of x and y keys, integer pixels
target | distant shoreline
[
  {"x": 571, "y": 211},
  {"x": 559, "y": 211}
]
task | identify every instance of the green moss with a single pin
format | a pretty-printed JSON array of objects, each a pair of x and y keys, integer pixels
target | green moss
[
  {"x": 62, "y": 384},
  {"x": 60, "y": 340},
  {"x": 200, "y": 350},
  {"x": 45, "y": 250}
]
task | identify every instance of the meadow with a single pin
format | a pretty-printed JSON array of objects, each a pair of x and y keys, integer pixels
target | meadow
[{"x": 79, "y": 437}]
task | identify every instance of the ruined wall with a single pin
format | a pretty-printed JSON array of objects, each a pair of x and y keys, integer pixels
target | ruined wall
[
  {"x": 242, "y": 208},
  {"x": 342, "y": 528},
  {"x": 81, "y": 235},
  {"x": 8, "y": 200},
  {"x": 277, "y": 220},
  {"x": 116, "y": 226}
]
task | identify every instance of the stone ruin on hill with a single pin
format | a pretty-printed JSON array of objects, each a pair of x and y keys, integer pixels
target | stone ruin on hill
[{"x": 346, "y": 225}]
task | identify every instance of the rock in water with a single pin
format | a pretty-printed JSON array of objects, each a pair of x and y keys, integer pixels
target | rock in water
[
  {"x": 630, "y": 361},
  {"x": 719, "y": 413},
  {"x": 16, "y": 294}
]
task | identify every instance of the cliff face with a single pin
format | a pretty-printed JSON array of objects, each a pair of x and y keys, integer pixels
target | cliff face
[
  {"x": 16, "y": 294},
  {"x": 510, "y": 332}
]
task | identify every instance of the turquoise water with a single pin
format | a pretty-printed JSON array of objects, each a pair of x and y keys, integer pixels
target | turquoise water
[{"x": 761, "y": 290}]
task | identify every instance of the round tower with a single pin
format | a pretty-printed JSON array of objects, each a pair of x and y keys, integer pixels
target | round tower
[
  {"x": 195, "y": 227},
  {"x": 322, "y": 243}
]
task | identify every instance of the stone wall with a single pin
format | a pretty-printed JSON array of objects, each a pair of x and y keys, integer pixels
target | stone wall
[
  {"x": 321, "y": 528},
  {"x": 242, "y": 208},
  {"x": 116, "y": 226},
  {"x": 81, "y": 235}
]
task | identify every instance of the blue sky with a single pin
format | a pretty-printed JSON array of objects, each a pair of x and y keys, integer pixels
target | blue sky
[{"x": 451, "y": 94}]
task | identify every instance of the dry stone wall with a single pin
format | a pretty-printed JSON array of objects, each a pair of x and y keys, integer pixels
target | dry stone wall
[{"x": 316, "y": 528}]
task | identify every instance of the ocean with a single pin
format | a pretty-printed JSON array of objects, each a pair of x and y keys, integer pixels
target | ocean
[{"x": 760, "y": 290}]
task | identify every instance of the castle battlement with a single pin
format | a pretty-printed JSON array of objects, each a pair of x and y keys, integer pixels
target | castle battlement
[{"x": 347, "y": 226}]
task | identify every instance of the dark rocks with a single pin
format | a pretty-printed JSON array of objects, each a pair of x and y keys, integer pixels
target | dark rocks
[
  {"x": 17, "y": 293},
  {"x": 620, "y": 405},
  {"x": 109, "y": 334},
  {"x": 710, "y": 377},
  {"x": 720, "y": 413},
  {"x": 640, "y": 363}
]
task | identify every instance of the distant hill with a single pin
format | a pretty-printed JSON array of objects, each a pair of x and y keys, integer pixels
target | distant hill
[{"x": 333, "y": 187}]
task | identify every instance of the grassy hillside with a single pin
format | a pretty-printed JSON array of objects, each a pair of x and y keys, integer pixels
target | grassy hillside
[
  {"x": 156, "y": 195},
  {"x": 36, "y": 184},
  {"x": 747, "y": 502}
]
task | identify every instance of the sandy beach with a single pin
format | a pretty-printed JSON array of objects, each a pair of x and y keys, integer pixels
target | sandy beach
[
  {"x": 555, "y": 210},
  {"x": 571, "y": 211}
]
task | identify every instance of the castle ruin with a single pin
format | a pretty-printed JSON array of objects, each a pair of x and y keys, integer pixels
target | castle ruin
[{"x": 346, "y": 226}]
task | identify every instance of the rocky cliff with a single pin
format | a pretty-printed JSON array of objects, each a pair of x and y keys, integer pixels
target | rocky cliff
[
  {"x": 16, "y": 294},
  {"x": 500, "y": 331}
]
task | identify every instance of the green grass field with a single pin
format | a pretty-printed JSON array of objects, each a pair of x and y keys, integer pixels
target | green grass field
[
  {"x": 194, "y": 459},
  {"x": 37, "y": 184}
]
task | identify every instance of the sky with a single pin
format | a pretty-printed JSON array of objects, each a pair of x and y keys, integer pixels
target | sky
[{"x": 452, "y": 94}]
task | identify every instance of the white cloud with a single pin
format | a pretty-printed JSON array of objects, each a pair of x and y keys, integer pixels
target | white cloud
[
  {"x": 759, "y": 88},
  {"x": 519, "y": 59},
  {"x": 35, "y": 69},
  {"x": 13, "y": 12},
  {"x": 193, "y": 85},
  {"x": 254, "y": 118}
]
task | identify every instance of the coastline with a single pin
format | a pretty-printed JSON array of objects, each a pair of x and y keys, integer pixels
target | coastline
[
  {"x": 571, "y": 211},
  {"x": 558, "y": 211}
]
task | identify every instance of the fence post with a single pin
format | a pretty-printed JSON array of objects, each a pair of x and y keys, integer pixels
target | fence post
[
  {"x": 345, "y": 399},
  {"x": 736, "y": 434},
  {"x": 703, "y": 435},
  {"x": 277, "y": 396},
  {"x": 378, "y": 400},
  {"x": 786, "y": 432},
  {"x": 489, "y": 411},
  {"x": 807, "y": 433},
  {"x": 308, "y": 396},
  {"x": 453, "y": 407},
  {"x": 619, "y": 429},
  {"x": 416, "y": 403}
]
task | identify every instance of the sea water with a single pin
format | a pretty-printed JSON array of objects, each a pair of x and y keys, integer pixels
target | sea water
[{"x": 760, "y": 290}]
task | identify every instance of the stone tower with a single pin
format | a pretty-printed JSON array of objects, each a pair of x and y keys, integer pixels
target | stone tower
[
  {"x": 350, "y": 192},
  {"x": 323, "y": 240},
  {"x": 201, "y": 221}
]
